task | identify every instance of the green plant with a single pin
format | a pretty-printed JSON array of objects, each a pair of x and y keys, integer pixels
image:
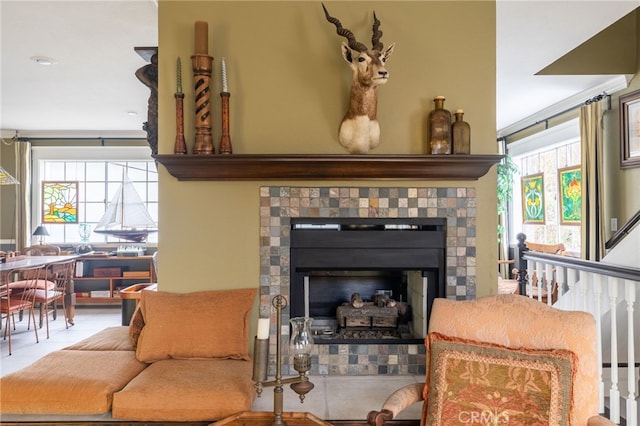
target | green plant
[{"x": 506, "y": 172}]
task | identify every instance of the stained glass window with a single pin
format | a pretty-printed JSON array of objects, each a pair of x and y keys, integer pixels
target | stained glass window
[{"x": 60, "y": 202}]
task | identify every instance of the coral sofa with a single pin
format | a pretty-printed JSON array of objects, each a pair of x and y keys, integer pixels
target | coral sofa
[{"x": 184, "y": 357}]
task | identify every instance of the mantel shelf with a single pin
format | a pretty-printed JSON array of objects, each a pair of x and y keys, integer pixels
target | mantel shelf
[{"x": 327, "y": 167}]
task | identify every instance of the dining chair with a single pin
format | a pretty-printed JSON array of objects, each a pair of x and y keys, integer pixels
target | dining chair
[
  {"x": 42, "y": 250},
  {"x": 22, "y": 301},
  {"x": 23, "y": 283},
  {"x": 47, "y": 298}
]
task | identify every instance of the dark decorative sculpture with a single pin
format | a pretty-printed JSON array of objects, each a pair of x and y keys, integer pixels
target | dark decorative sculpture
[{"x": 148, "y": 75}]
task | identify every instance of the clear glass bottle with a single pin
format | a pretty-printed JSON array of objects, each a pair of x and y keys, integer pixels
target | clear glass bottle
[
  {"x": 301, "y": 343},
  {"x": 440, "y": 128},
  {"x": 461, "y": 134}
]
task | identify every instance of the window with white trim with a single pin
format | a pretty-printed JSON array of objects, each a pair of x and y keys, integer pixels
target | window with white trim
[
  {"x": 546, "y": 154},
  {"x": 99, "y": 172}
]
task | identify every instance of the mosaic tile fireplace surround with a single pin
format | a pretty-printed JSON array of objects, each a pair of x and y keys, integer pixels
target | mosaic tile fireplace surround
[{"x": 278, "y": 204}]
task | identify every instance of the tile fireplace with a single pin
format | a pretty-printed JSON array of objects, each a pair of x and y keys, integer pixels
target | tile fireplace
[{"x": 449, "y": 269}]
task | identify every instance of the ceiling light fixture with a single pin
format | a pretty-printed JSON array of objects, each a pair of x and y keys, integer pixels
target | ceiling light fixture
[
  {"x": 132, "y": 113},
  {"x": 43, "y": 60}
]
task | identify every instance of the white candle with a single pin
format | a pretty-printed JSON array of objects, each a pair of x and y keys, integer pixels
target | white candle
[
  {"x": 225, "y": 88},
  {"x": 263, "y": 328}
]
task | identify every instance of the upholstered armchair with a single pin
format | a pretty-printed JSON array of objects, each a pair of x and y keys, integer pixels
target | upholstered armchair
[{"x": 504, "y": 359}]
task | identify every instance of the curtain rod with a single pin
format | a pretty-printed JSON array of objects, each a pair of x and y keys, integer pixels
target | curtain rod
[
  {"x": 596, "y": 98},
  {"x": 102, "y": 139},
  {"x": 23, "y": 139}
]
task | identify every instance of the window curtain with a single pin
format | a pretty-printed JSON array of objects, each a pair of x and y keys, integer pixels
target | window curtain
[
  {"x": 22, "y": 152},
  {"x": 591, "y": 134}
]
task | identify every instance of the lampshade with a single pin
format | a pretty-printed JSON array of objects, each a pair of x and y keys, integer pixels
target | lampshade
[
  {"x": 6, "y": 178},
  {"x": 41, "y": 232}
]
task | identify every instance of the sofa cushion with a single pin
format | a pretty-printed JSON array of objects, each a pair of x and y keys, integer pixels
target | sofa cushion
[
  {"x": 469, "y": 380},
  {"x": 206, "y": 324},
  {"x": 187, "y": 390},
  {"x": 68, "y": 382},
  {"x": 109, "y": 339}
]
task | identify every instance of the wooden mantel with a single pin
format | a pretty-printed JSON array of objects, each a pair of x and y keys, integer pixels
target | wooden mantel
[{"x": 327, "y": 167}]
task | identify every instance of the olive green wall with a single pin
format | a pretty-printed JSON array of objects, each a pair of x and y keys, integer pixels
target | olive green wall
[
  {"x": 622, "y": 193},
  {"x": 289, "y": 87}
]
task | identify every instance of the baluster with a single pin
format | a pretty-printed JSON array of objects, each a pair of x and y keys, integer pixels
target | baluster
[
  {"x": 597, "y": 314},
  {"x": 572, "y": 279},
  {"x": 530, "y": 283},
  {"x": 540, "y": 280},
  {"x": 550, "y": 281},
  {"x": 560, "y": 281},
  {"x": 584, "y": 286},
  {"x": 631, "y": 403},
  {"x": 614, "y": 393}
]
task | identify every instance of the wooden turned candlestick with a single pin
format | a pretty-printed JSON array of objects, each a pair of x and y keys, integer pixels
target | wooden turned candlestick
[
  {"x": 180, "y": 146},
  {"x": 202, "y": 81},
  {"x": 225, "y": 139}
]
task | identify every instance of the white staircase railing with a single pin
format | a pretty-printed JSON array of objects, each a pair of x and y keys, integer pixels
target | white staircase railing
[{"x": 609, "y": 292}]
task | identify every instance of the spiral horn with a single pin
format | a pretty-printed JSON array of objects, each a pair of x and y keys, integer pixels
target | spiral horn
[{"x": 353, "y": 43}]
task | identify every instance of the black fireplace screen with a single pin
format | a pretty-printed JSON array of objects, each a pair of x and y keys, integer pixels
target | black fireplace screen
[{"x": 331, "y": 259}]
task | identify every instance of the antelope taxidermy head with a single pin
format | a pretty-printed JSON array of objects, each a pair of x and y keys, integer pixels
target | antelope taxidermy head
[{"x": 359, "y": 130}]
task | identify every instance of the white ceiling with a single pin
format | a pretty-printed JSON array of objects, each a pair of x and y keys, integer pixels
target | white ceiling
[
  {"x": 533, "y": 34},
  {"x": 92, "y": 88}
]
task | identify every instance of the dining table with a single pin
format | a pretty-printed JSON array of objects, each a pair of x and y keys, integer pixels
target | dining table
[{"x": 7, "y": 268}]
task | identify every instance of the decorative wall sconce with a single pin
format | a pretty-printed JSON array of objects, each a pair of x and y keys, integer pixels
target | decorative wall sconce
[{"x": 300, "y": 346}]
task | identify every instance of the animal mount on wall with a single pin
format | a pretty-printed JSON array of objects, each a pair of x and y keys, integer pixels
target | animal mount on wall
[{"x": 360, "y": 130}]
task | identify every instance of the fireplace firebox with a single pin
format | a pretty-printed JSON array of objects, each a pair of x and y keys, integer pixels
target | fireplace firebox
[{"x": 401, "y": 262}]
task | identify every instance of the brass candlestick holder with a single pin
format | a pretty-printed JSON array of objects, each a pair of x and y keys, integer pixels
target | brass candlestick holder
[
  {"x": 202, "y": 65},
  {"x": 300, "y": 344}
]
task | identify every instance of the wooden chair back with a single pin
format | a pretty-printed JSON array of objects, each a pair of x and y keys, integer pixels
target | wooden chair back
[
  {"x": 41, "y": 250},
  {"x": 12, "y": 303}
]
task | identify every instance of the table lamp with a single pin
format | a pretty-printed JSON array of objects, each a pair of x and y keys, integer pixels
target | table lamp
[{"x": 41, "y": 232}]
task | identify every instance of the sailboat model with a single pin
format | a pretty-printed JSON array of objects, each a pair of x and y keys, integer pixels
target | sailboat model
[{"x": 127, "y": 217}]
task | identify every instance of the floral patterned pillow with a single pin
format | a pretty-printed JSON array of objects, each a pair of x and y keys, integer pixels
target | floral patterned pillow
[{"x": 471, "y": 382}]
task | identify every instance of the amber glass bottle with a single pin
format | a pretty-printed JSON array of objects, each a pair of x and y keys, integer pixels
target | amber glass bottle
[
  {"x": 440, "y": 128},
  {"x": 461, "y": 134}
]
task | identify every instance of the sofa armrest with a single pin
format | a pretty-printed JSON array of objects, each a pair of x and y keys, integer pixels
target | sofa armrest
[
  {"x": 599, "y": 421},
  {"x": 395, "y": 403}
]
